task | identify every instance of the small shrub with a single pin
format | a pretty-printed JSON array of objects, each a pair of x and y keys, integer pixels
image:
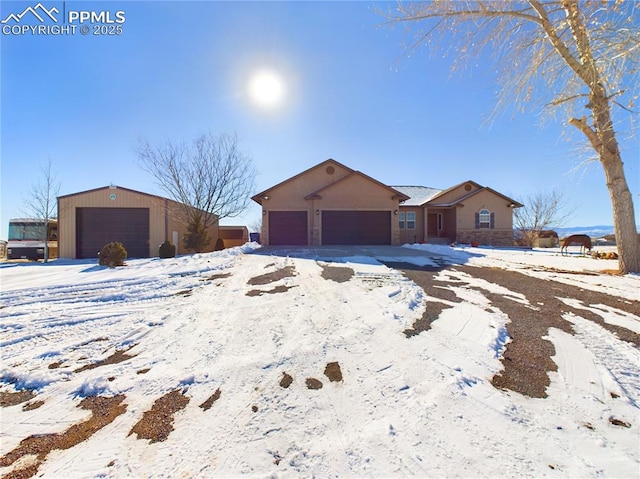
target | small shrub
[
  {"x": 113, "y": 254},
  {"x": 167, "y": 250},
  {"x": 219, "y": 245},
  {"x": 196, "y": 238}
]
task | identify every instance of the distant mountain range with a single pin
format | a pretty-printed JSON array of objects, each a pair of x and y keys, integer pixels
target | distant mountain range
[{"x": 597, "y": 231}]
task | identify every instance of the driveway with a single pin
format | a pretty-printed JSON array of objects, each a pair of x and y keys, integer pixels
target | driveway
[{"x": 361, "y": 254}]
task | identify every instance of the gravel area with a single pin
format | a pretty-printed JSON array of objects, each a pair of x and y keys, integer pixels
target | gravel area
[
  {"x": 104, "y": 409},
  {"x": 527, "y": 358}
]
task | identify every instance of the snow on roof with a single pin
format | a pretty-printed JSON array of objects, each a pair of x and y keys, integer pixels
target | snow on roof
[{"x": 418, "y": 195}]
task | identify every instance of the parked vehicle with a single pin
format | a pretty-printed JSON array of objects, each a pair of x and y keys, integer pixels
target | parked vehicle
[{"x": 26, "y": 239}]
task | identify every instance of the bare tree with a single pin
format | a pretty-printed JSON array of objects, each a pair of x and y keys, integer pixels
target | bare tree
[
  {"x": 209, "y": 177},
  {"x": 42, "y": 201},
  {"x": 255, "y": 226},
  {"x": 568, "y": 54},
  {"x": 542, "y": 210}
]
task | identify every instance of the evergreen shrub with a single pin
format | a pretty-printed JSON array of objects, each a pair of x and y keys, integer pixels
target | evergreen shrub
[
  {"x": 113, "y": 254},
  {"x": 167, "y": 250}
]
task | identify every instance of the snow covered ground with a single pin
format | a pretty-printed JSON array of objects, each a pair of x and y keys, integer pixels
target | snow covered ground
[{"x": 227, "y": 327}]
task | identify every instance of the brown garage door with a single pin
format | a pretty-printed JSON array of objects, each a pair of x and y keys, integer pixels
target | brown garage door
[
  {"x": 356, "y": 227},
  {"x": 288, "y": 228},
  {"x": 96, "y": 227}
]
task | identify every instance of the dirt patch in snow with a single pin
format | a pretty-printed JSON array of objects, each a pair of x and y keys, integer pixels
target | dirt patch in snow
[
  {"x": 157, "y": 423},
  {"x": 118, "y": 357},
  {"x": 13, "y": 398},
  {"x": 209, "y": 402},
  {"x": 333, "y": 372},
  {"x": 31, "y": 405},
  {"x": 286, "y": 380},
  {"x": 286, "y": 272},
  {"x": 618, "y": 422},
  {"x": 216, "y": 276},
  {"x": 313, "y": 383},
  {"x": 434, "y": 288},
  {"x": 277, "y": 289},
  {"x": 431, "y": 313},
  {"x": 104, "y": 411},
  {"x": 339, "y": 274}
]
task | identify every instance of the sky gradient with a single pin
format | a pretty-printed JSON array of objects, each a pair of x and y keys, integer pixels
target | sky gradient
[{"x": 351, "y": 92}]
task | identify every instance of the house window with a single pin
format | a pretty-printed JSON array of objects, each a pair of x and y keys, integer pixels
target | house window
[
  {"x": 411, "y": 220},
  {"x": 407, "y": 220},
  {"x": 484, "y": 219}
]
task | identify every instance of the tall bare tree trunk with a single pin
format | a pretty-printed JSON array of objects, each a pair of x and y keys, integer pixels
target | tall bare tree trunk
[
  {"x": 603, "y": 140},
  {"x": 623, "y": 219}
]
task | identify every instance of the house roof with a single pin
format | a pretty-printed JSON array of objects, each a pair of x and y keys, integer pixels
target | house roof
[
  {"x": 258, "y": 198},
  {"x": 261, "y": 196},
  {"x": 394, "y": 191},
  {"x": 458, "y": 201},
  {"x": 443, "y": 192},
  {"x": 408, "y": 195},
  {"x": 418, "y": 195}
]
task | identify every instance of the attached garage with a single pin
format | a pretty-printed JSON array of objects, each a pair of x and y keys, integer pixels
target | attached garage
[
  {"x": 356, "y": 227},
  {"x": 96, "y": 227},
  {"x": 330, "y": 204},
  {"x": 288, "y": 228}
]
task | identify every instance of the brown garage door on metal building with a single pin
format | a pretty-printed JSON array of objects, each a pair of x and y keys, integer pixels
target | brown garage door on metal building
[
  {"x": 356, "y": 227},
  {"x": 288, "y": 228},
  {"x": 96, "y": 227}
]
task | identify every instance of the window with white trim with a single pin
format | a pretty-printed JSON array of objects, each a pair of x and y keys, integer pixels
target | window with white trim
[
  {"x": 484, "y": 219},
  {"x": 401, "y": 219}
]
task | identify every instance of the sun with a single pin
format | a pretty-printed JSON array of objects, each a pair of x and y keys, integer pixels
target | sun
[{"x": 266, "y": 88}]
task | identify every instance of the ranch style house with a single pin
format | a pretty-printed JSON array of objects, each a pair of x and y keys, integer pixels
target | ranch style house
[{"x": 332, "y": 204}]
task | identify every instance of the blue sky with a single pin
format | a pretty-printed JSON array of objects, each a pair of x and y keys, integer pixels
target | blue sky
[{"x": 352, "y": 93}]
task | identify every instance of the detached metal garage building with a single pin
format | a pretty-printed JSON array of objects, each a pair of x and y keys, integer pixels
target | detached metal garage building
[{"x": 141, "y": 222}]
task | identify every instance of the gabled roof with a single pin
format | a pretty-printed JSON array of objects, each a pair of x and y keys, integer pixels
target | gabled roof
[
  {"x": 418, "y": 195},
  {"x": 443, "y": 192},
  {"x": 115, "y": 188},
  {"x": 260, "y": 196},
  {"x": 395, "y": 193},
  {"x": 458, "y": 201}
]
